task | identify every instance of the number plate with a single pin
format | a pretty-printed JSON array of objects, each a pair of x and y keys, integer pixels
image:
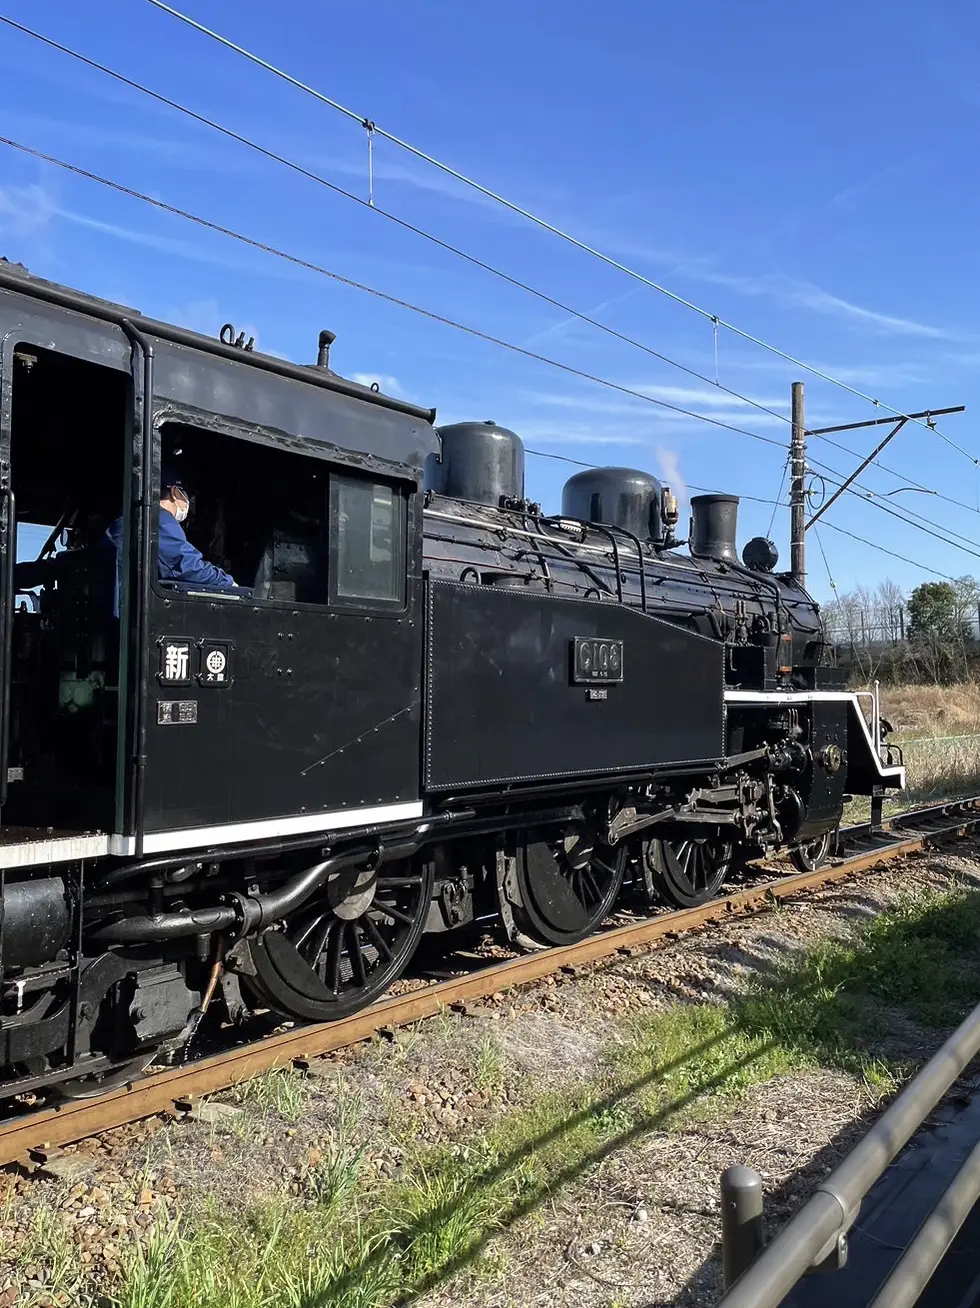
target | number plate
[{"x": 596, "y": 661}]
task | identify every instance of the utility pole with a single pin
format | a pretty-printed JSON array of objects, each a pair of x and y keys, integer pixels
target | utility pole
[{"x": 797, "y": 489}]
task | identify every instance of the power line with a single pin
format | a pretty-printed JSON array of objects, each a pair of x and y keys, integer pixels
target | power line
[
  {"x": 369, "y": 204},
  {"x": 873, "y": 501},
  {"x": 381, "y": 295},
  {"x": 373, "y": 129},
  {"x": 882, "y": 550},
  {"x": 899, "y": 476},
  {"x": 830, "y": 575},
  {"x": 580, "y": 463},
  {"x": 779, "y": 496},
  {"x": 249, "y": 241},
  {"x": 868, "y": 497}
]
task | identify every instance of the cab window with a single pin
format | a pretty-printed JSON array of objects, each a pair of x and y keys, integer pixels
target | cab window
[
  {"x": 258, "y": 512},
  {"x": 368, "y": 520},
  {"x": 285, "y": 525}
]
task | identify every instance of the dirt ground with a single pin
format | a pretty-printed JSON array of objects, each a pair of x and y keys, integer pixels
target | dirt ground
[{"x": 638, "y": 1228}]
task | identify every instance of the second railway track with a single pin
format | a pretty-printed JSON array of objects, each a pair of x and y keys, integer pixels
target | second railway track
[{"x": 35, "y": 1134}]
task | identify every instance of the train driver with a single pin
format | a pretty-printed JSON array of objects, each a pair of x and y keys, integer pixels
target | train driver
[{"x": 179, "y": 562}]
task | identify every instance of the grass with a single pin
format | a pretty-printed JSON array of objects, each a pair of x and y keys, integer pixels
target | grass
[
  {"x": 938, "y": 728},
  {"x": 279, "y": 1091},
  {"x": 933, "y": 710},
  {"x": 333, "y": 1175},
  {"x": 488, "y": 1066},
  {"x": 360, "y": 1242}
]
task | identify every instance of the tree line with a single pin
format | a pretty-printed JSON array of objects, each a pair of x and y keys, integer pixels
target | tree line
[{"x": 931, "y": 635}]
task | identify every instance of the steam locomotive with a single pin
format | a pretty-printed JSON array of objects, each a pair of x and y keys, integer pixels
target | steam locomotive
[{"x": 431, "y": 703}]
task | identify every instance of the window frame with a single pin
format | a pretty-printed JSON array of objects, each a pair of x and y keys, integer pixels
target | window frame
[
  {"x": 400, "y": 497},
  {"x": 204, "y": 424}
]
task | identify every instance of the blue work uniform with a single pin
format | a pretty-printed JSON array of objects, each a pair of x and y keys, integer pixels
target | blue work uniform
[{"x": 178, "y": 560}]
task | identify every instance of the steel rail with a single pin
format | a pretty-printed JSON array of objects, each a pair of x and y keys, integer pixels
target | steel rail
[{"x": 34, "y": 1136}]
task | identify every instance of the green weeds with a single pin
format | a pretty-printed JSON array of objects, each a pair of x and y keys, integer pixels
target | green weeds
[
  {"x": 352, "y": 1244},
  {"x": 280, "y": 1091}
]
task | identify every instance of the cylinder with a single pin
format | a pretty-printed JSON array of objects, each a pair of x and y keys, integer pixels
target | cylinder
[
  {"x": 480, "y": 462},
  {"x": 36, "y": 921},
  {"x": 714, "y": 520}
]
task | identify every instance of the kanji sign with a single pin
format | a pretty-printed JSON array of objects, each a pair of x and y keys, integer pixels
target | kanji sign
[{"x": 175, "y": 662}]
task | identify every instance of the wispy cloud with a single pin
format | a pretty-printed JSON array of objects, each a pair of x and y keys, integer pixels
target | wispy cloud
[
  {"x": 383, "y": 380},
  {"x": 390, "y": 173},
  {"x": 25, "y": 211},
  {"x": 844, "y": 198},
  {"x": 872, "y": 373},
  {"x": 723, "y": 407},
  {"x": 788, "y": 290},
  {"x": 535, "y": 431},
  {"x": 561, "y": 328},
  {"x": 190, "y": 152},
  {"x": 172, "y": 245},
  {"x": 813, "y": 297}
]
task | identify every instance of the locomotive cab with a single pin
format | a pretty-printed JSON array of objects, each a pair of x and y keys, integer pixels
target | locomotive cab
[{"x": 142, "y": 715}]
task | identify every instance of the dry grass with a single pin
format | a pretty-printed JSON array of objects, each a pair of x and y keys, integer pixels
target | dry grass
[
  {"x": 932, "y": 710},
  {"x": 938, "y": 729}
]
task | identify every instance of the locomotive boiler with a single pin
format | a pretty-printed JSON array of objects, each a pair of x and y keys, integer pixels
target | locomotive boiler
[{"x": 426, "y": 701}]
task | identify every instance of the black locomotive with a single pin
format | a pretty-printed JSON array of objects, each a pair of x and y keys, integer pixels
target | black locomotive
[{"x": 431, "y": 703}]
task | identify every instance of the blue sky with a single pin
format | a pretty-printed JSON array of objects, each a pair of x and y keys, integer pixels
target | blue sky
[{"x": 827, "y": 205}]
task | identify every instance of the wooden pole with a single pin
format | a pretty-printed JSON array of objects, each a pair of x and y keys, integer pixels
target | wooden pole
[{"x": 797, "y": 489}]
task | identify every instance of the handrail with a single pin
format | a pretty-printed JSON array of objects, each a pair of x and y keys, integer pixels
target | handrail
[
  {"x": 817, "y": 1235},
  {"x": 874, "y": 697}
]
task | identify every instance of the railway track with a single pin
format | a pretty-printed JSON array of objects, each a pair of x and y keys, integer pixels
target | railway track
[{"x": 34, "y": 1136}]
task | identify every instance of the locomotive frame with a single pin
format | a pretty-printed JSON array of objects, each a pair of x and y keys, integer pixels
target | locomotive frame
[{"x": 261, "y": 800}]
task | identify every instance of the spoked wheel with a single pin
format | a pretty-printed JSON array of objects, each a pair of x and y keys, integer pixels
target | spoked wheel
[
  {"x": 812, "y": 854},
  {"x": 346, "y": 945},
  {"x": 556, "y": 892},
  {"x": 687, "y": 872}
]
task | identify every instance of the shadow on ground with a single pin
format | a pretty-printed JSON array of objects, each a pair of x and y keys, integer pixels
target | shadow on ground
[{"x": 815, "y": 1011}]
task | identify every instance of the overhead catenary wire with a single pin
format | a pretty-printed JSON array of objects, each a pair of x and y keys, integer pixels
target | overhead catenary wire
[
  {"x": 431, "y": 314},
  {"x": 863, "y": 498},
  {"x": 369, "y": 123},
  {"x": 756, "y": 499},
  {"x": 883, "y": 550},
  {"x": 907, "y": 516},
  {"x": 830, "y": 575},
  {"x": 779, "y": 495},
  {"x": 581, "y": 463},
  {"x": 300, "y": 169},
  {"x": 396, "y": 219}
]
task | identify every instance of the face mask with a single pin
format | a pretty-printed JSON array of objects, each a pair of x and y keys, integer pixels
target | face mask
[{"x": 181, "y": 508}]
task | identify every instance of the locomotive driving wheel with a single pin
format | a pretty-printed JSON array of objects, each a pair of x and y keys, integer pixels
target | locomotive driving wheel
[
  {"x": 555, "y": 892},
  {"x": 812, "y": 853},
  {"x": 346, "y": 945},
  {"x": 94, "y": 1084},
  {"x": 686, "y": 872}
]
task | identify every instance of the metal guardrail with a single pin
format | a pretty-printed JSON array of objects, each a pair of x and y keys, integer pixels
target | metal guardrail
[{"x": 816, "y": 1238}]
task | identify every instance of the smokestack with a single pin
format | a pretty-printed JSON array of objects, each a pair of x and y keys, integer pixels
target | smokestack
[
  {"x": 713, "y": 526},
  {"x": 323, "y": 350}
]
